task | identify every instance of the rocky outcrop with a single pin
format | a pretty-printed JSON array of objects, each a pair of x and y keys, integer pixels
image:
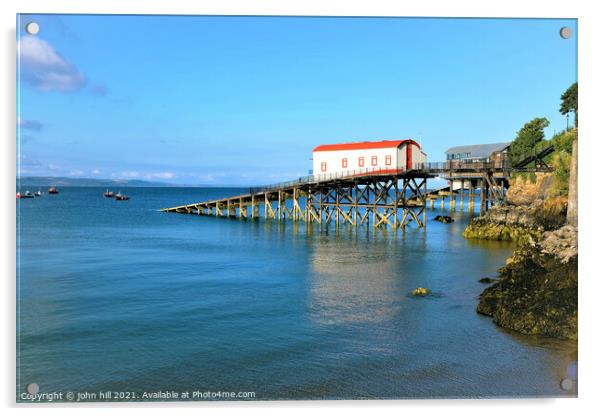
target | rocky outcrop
[
  {"x": 516, "y": 223},
  {"x": 571, "y": 216},
  {"x": 537, "y": 289},
  {"x": 536, "y": 292},
  {"x": 505, "y": 223},
  {"x": 530, "y": 211},
  {"x": 560, "y": 244},
  {"x": 524, "y": 191}
]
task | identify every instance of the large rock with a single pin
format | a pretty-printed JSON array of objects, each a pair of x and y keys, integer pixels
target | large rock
[
  {"x": 537, "y": 289},
  {"x": 515, "y": 223},
  {"x": 523, "y": 191},
  {"x": 505, "y": 223}
]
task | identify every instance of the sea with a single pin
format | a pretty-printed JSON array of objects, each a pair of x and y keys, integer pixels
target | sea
[{"x": 117, "y": 300}]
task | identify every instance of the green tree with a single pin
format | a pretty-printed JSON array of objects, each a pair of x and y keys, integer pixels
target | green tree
[
  {"x": 527, "y": 138},
  {"x": 563, "y": 141},
  {"x": 570, "y": 101}
]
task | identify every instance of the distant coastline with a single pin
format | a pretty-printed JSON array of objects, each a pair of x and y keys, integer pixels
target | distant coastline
[{"x": 33, "y": 181}]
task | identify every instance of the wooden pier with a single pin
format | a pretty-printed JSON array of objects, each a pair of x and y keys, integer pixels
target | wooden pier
[
  {"x": 380, "y": 198},
  {"x": 490, "y": 185}
]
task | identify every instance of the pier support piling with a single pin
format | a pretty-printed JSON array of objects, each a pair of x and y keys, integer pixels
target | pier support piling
[
  {"x": 462, "y": 195},
  {"x": 381, "y": 201}
]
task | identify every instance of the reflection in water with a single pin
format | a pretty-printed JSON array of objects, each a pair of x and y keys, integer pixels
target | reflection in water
[
  {"x": 563, "y": 361},
  {"x": 352, "y": 280},
  {"x": 122, "y": 297}
]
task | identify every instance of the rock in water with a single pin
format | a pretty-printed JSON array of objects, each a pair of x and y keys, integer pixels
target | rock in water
[
  {"x": 444, "y": 219},
  {"x": 420, "y": 291},
  {"x": 537, "y": 289}
]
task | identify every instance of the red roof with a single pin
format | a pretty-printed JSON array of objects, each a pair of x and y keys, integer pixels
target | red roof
[{"x": 383, "y": 144}]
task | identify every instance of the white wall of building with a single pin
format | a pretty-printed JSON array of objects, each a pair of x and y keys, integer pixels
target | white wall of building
[{"x": 330, "y": 162}]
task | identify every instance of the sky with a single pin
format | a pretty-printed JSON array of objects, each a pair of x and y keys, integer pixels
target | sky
[{"x": 244, "y": 100}]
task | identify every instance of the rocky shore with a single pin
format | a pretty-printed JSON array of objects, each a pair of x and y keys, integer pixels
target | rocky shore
[
  {"x": 537, "y": 289},
  {"x": 506, "y": 224},
  {"x": 530, "y": 212},
  {"x": 536, "y": 292},
  {"x": 519, "y": 223}
]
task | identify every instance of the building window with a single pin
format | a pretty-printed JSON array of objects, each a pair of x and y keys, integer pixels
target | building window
[
  {"x": 388, "y": 160},
  {"x": 360, "y": 162},
  {"x": 374, "y": 160},
  {"x": 344, "y": 162},
  {"x": 323, "y": 166}
]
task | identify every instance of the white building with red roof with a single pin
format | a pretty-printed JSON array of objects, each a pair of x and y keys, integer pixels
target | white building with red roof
[{"x": 385, "y": 156}]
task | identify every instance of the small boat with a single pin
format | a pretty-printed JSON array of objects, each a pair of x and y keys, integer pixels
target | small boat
[
  {"x": 108, "y": 194},
  {"x": 38, "y": 193},
  {"x": 27, "y": 194},
  {"x": 121, "y": 197},
  {"x": 53, "y": 190}
]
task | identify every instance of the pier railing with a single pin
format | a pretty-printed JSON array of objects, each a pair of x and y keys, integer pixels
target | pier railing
[
  {"x": 383, "y": 197},
  {"x": 429, "y": 168},
  {"x": 346, "y": 174}
]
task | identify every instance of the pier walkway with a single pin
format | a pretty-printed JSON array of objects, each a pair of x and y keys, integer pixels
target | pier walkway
[{"x": 381, "y": 198}]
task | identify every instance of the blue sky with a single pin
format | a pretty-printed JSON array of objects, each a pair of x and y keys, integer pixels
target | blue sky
[{"x": 243, "y": 100}]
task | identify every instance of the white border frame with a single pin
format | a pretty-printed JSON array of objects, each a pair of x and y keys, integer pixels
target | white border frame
[{"x": 590, "y": 34}]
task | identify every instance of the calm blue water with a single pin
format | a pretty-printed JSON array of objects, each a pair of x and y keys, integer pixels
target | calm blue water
[{"x": 117, "y": 296}]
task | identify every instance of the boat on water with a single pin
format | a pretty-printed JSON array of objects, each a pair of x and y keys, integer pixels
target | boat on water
[
  {"x": 108, "y": 194},
  {"x": 27, "y": 194},
  {"x": 121, "y": 197},
  {"x": 38, "y": 193},
  {"x": 53, "y": 190}
]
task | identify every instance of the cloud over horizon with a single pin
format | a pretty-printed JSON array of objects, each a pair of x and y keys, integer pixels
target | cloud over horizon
[
  {"x": 29, "y": 124},
  {"x": 45, "y": 69}
]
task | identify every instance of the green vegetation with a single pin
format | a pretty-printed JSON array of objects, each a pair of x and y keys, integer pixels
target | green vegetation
[
  {"x": 532, "y": 177},
  {"x": 560, "y": 160},
  {"x": 563, "y": 141},
  {"x": 562, "y": 172},
  {"x": 527, "y": 138},
  {"x": 530, "y": 138},
  {"x": 570, "y": 102},
  {"x": 525, "y": 176}
]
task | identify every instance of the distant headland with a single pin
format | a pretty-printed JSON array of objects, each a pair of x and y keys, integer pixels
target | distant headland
[{"x": 33, "y": 181}]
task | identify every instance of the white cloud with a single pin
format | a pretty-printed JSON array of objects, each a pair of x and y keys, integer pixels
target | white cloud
[
  {"x": 45, "y": 69},
  {"x": 29, "y": 124},
  {"x": 161, "y": 175},
  {"x": 95, "y": 172},
  {"x": 130, "y": 174}
]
